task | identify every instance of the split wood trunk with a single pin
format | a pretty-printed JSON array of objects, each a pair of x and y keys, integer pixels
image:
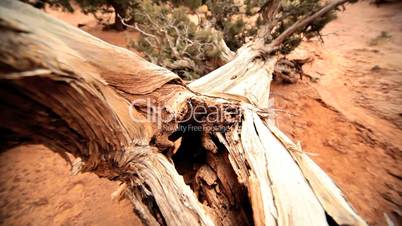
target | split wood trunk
[{"x": 66, "y": 89}]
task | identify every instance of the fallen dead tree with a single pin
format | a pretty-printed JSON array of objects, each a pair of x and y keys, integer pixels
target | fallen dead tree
[{"x": 77, "y": 94}]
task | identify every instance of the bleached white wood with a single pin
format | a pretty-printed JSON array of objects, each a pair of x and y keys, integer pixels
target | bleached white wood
[
  {"x": 330, "y": 196},
  {"x": 294, "y": 199}
]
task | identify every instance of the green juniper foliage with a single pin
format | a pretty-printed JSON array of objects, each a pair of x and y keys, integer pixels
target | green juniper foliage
[
  {"x": 169, "y": 38},
  {"x": 120, "y": 7},
  {"x": 295, "y": 10},
  {"x": 40, "y": 4},
  {"x": 192, "y": 4},
  {"x": 222, "y": 11},
  {"x": 202, "y": 56}
]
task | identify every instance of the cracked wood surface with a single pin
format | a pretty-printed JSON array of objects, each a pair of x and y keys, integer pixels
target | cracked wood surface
[{"x": 72, "y": 92}]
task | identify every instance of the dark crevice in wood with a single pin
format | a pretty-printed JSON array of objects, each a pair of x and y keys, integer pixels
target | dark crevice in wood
[
  {"x": 331, "y": 221},
  {"x": 211, "y": 176},
  {"x": 189, "y": 156}
]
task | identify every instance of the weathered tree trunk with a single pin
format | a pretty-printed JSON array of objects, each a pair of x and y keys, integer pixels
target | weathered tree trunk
[{"x": 77, "y": 94}]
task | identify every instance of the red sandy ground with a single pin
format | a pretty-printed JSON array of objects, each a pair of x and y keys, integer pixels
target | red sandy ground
[{"x": 351, "y": 119}]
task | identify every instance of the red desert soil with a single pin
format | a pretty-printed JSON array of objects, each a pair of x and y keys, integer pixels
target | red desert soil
[
  {"x": 36, "y": 188},
  {"x": 350, "y": 120}
]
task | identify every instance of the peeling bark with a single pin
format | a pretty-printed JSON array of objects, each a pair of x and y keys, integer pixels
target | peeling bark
[{"x": 77, "y": 94}]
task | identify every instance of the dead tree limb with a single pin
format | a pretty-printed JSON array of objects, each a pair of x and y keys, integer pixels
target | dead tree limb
[
  {"x": 306, "y": 21},
  {"x": 77, "y": 94}
]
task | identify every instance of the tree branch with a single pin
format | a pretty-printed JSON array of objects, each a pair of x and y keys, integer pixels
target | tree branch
[{"x": 300, "y": 24}]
